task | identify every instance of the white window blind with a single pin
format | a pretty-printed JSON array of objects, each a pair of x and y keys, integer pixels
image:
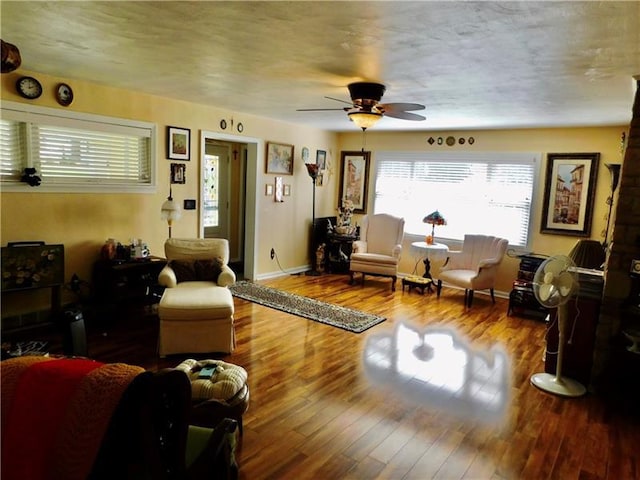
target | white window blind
[
  {"x": 484, "y": 193},
  {"x": 75, "y": 150}
]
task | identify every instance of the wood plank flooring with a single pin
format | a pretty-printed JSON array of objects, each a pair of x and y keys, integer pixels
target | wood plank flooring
[{"x": 325, "y": 403}]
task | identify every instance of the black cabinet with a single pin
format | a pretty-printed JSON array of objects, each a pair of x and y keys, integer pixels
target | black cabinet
[
  {"x": 522, "y": 300},
  {"x": 337, "y": 252},
  {"x": 127, "y": 281}
]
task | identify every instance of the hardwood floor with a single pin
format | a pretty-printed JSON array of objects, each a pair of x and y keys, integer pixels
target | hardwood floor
[{"x": 330, "y": 404}]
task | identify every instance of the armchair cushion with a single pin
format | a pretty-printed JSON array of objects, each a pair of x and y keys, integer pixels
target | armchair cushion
[
  {"x": 208, "y": 270},
  {"x": 184, "y": 270}
]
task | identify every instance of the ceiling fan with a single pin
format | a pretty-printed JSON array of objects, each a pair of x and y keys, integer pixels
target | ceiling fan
[{"x": 365, "y": 110}]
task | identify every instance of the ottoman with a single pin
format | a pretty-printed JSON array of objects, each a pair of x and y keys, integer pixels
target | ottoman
[
  {"x": 420, "y": 283},
  {"x": 225, "y": 394},
  {"x": 196, "y": 319}
]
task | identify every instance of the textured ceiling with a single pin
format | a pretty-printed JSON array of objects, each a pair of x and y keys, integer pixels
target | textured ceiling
[{"x": 472, "y": 64}]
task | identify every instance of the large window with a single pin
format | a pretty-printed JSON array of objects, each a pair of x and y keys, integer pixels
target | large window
[
  {"x": 485, "y": 193},
  {"x": 73, "y": 152}
]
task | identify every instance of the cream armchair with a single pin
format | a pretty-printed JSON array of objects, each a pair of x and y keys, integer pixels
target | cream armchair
[
  {"x": 379, "y": 248},
  {"x": 475, "y": 266},
  {"x": 196, "y": 308}
]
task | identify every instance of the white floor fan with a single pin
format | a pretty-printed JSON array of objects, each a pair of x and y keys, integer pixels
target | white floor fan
[{"x": 553, "y": 285}]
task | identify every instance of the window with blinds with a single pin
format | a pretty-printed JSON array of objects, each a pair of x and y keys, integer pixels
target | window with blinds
[
  {"x": 483, "y": 193},
  {"x": 73, "y": 151}
]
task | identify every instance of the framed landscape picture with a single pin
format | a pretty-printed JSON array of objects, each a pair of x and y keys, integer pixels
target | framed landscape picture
[
  {"x": 178, "y": 143},
  {"x": 279, "y": 158},
  {"x": 569, "y": 193},
  {"x": 354, "y": 178}
]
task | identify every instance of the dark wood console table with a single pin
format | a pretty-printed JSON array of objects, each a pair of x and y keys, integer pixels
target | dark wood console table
[
  {"x": 338, "y": 252},
  {"x": 121, "y": 281}
]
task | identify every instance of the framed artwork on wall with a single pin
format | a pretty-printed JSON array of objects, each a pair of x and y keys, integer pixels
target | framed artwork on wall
[
  {"x": 178, "y": 143},
  {"x": 321, "y": 159},
  {"x": 279, "y": 190},
  {"x": 569, "y": 193},
  {"x": 279, "y": 158},
  {"x": 354, "y": 179},
  {"x": 178, "y": 173}
]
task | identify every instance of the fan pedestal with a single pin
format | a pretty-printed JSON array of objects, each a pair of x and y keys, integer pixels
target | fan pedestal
[
  {"x": 560, "y": 386},
  {"x": 557, "y": 383}
]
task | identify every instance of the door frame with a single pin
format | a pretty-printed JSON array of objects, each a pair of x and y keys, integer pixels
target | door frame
[
  {"x": 223, "y": 186},
  {"x": 255, "y": 156}
]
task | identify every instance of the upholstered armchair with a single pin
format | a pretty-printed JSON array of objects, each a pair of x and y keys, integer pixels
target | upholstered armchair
[
  {"x": 109, "y": 421},
  {"x": 379, "y": 249},
  {"x": 475, "y": 266},
  {"x": 196, "y": 308}
]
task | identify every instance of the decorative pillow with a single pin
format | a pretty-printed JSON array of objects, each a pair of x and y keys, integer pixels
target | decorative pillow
[
  {"x": 184, "y": 270},
  {"x": 208, "y": 270}
]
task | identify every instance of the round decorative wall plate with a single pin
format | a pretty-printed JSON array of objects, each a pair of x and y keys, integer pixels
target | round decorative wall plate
[
  {"x": 451, "y": 141},
  {"x": 223, "y": 124},
  {"x": 64, "y": 94},
  {"x": 240, "y": 127}
]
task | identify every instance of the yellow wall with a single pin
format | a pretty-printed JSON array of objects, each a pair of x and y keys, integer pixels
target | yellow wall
[
  {"x": 606, "y": 141},
  {"x": 82, "y": 222}
]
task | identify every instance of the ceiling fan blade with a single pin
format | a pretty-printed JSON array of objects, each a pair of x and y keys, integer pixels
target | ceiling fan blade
[
  {"x": 320, "y": 109},
  {"x": 401, "y": 107},
  {"x": 404, "y": 115},
  {"x": 339, "y": 100}
]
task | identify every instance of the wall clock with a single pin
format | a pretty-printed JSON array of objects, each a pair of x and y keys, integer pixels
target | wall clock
[
  {"x": 29, "y": 87},
  {"x": 64, "y": 94}
]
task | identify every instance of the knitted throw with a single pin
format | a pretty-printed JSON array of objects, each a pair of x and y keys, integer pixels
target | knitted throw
[{"x": 55, "y": 413}]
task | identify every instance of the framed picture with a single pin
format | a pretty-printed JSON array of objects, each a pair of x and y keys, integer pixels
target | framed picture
[
  {"x": 321, "y": 159},
  {"x": 178, "y": 143},
  {"x": 279, "y": 158},
  {"x": 178, "y": 173},
  {"x": 354, "y": 179},
  {"x": 569, "y": 193},
  {"x": 279, "y": 190}
]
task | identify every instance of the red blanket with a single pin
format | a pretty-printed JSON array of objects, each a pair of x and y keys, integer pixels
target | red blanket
[{"x": 55, "y": 413}]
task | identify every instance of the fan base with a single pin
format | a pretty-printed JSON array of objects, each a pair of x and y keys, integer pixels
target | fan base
[{"x": 560, "y": 386}]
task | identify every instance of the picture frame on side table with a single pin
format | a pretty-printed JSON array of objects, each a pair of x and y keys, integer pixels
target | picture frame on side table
[
  {"x": 569, "y": 193},
  {"x": 178, "y": 143},
  {"x": 354, "y": 179},
  {"x": 279, "y": 158}
]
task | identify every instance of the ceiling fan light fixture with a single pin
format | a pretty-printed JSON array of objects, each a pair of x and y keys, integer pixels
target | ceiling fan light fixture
[{"x": 364, "y": 120}]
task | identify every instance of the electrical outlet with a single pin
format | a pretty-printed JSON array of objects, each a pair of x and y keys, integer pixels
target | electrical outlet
[{"x": 273, "y": 253}]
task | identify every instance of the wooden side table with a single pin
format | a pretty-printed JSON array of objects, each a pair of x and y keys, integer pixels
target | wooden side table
[
  {"x": 123, "y": 281},
  {"x": 338, "y": 252}
]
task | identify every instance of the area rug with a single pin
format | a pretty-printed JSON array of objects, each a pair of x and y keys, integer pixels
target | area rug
[{"x": 334, "y": 315}]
